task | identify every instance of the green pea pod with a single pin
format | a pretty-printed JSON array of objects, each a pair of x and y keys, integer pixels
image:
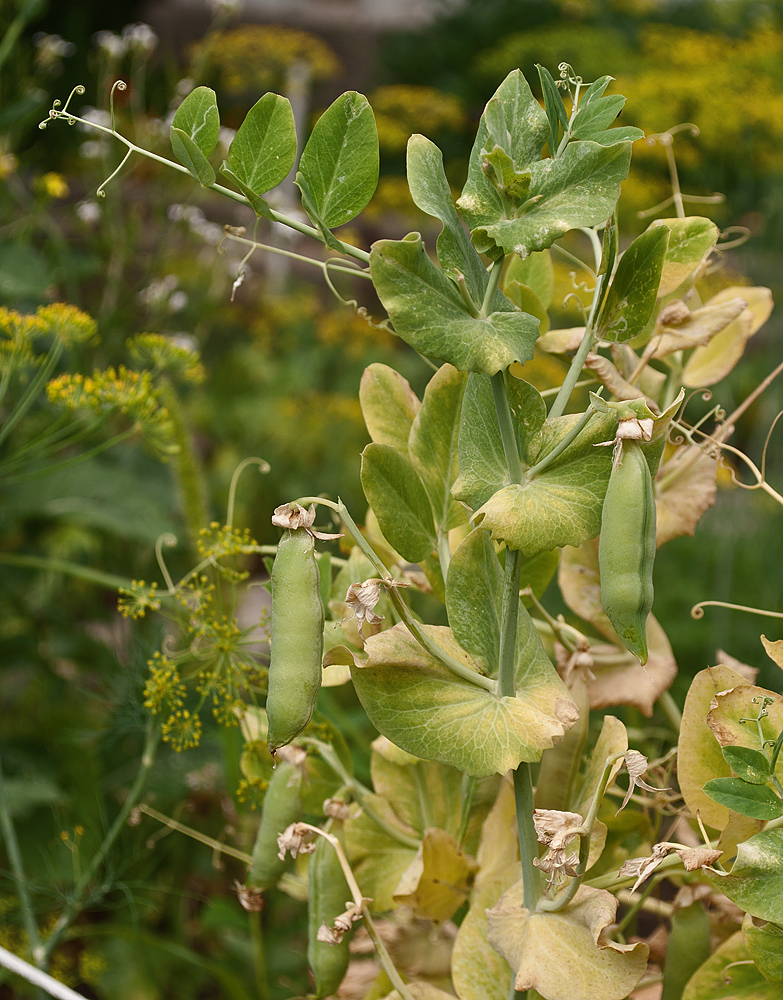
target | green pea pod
[
  {"x": 626, "y": 549},
  {"x": 328, "y": 897},
  {"x": 297, "y": 638},
  {"x": 282, "y": 807}
]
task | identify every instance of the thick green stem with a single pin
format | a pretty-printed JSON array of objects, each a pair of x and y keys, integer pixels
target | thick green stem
[
  {"x": 190, "y": 479},
  {"x": 259, "y": 956},
  {"x": 17, "y": 868},
  {"x": 573, "y": 373},
  {"x": 492, "y": 285},
  {"x": 72, "y": 909},
  {"x": 506, "y": 424},
  {"x": 526, "y": 831}
]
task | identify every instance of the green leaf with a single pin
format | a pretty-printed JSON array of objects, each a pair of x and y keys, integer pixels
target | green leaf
[
  {"x": 259, "y": 205},
  {"x": 525, "y": 298},
  {"x": 426, "y": 710},
  {"x": 474, "y": 586},
  {"x": 429, "y": 314},
  {"x": 729, "y": 708},
  {"x": 309, "y": 205},
  {"x": 264, "y": 148},
  {"x": 198, "y": 118},
  {"x": 431, "y": 193},
  {"x": 562, "y": 505},
  {"x": 339, "y": 163},
  {"x": 750, "y": 765},
  {"x": 536, "y": 271},
  {"x": 378, "y": 859},
  {"x": 690, "y": 242},
  {"x": 434, "y": 444},
  {"x": 595, "y": 90},
  {"x": 687, "y": 948},
  {"x": 613, "y": 136},
  {"x": 596, "y": 116},
  {"x": 389, "y": 406},
  {"x": 756, "y": 801},
  {"x": 609, "y": 247},
  {"x": 397, "y": 495},
  {"x": 554, "y": 107},
  {"x": 483, "y": 469},
  {"x": 528, "y": 128},
  {"x": 630, "y": 301},
  {"x": 745, "y": 982},
  {"x": 755, "y": 883},
  {"x": 513, "y": 185},
  {"x": 578, "y": 189},
  {"x": 191, "y": 156},
  {"x": 765, "y": 946}
]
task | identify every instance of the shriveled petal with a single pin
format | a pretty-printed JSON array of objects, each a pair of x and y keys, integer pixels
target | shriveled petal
[
  {"x": 296, "y": 840},
  {"x": 642, "y": 867},
  {"x": 698, "y": 857},
  {"x": 293, "y": 516}
]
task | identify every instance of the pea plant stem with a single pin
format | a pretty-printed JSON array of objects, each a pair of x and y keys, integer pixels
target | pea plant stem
[
  {"x": 523, "y": 780},
  {"x": 20, "y": 880},
  {"x": 37, "y": 977}
]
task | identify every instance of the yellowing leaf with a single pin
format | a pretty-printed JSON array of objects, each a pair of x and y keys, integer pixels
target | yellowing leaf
[
  {"x": 438, "y": 879},
  {"x": 699, "y": 757},
  {"x": 708, "y": 365},
  {"x": 690, "y": 243},
  {"x": 774, "y": 650},
  {"x": 379, "y": 859},
  {"x": 697, "y": 329},
  {"x": 685, "y": 488},
  {"x": 744, "y": 980},
  {"x": 422, "y": 991},
  {"x": 563, "y": 955}
]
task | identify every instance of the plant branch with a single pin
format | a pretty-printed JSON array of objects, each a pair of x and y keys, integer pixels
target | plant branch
[
  {"x": 20, "y": 880},
  {"x": 38, "y": 978}
]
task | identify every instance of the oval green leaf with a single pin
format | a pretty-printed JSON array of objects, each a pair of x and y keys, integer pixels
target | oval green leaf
[
  {"x": 199, "y": 119},
  {"x": 750, "y": 765},
  {"x": 340, "y": 160},
  {"x": 630, "y": 301},
  {"x": 264, "y": 148},
  {"x": 399, "y": 500},
  {"x": 389, "y": 406},
  {"x": 191, "y": 156},
  {"x": 745, "y": 982}
]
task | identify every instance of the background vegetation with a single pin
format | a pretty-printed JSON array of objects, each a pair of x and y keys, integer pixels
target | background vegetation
[{"x": 281, "y": 364}]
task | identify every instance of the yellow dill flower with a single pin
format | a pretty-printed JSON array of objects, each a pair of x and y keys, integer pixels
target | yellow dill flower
[
  {"x": 402, "y": 109},
  {"x": 182, "y": 730},
  {"x": 164, "y": 688},
  {"x": 136, "y": 600},
  {"x": 53, "y": 185},
  {"x": 165, "y": 354},
  {"x": 258, "y": 57},
  {"x": 66, "y": 323}
]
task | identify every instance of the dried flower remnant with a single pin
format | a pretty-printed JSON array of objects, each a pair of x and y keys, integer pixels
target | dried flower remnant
[
  {"x": 342, "y": 924},
  {"x": 556, "y": 829},
  {"x": 293, "y": 516},
  {"x": 642, "y": 867},
  {"x": 636, "y": 764},
  {"x": 362, "y": 598},
  {"x": 251, "y": 900},
  {"x": 295, "y": 839}
]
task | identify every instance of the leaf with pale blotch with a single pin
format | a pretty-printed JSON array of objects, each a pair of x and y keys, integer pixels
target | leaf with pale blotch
[
  {"x": 774, "y": 650},
  {"x": 536, "y": 272},
  {"x": 562, "y": 505},
  {"x": 765, "y": 946},
  {"x": 482, "y": 462},
  {"x": 685, "y": 487},
  {"x": 618, "y": 677},
  {"x": 713, "y": 362},
  {"x": 745, "y": 981},
  {"x": 432, "y": 713},
  {"x": 755, "y": 882},
  {"x": 388, "y": 406},
  {"x": 429, "y": 313},
  {"x": 699, "y": 754},
  {"x": 696, "y": 329},
  {"x": 630, "y": 300},
  {"x": 431, "y": 193},
  {"x": 377, "y": 858},
  {"x": 198, "y": 119},
  {"x": 437, "y": 881},
  {"x": 563, "y": 955},
  {"x": 433, "y": 444},
  {"x": 578, "y": 189},
  {"x": 397, "y": 496},
  {"x": 528, "y": 129},
  {"x": 690, "y": 243}
]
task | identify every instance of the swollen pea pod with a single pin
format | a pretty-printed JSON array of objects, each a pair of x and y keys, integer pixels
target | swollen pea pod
[
  {"x": 297, "y": 638},
  {"x": 327, "y": 898},
  {"x": 626, "y": 549},
  {"x": 282, "y": 807}
]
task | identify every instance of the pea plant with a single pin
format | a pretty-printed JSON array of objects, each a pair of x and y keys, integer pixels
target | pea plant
[{"x": 493, "y": 829}]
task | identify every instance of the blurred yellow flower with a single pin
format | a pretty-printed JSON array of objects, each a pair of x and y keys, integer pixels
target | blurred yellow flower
[
  {"x": 53, "y": 185},
  {"x": 402, "y": 109}
]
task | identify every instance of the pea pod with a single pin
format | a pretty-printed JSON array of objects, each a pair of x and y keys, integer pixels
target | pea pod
[
  {"x": 296, "y": 638},
  {"x": 282, "y": 807},
  {"x": 626, "y": 549},
  {"x": 327, "y": 899}
]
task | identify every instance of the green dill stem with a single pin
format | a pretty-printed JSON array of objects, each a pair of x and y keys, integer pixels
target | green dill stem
[
  {"x": 32, "y": 391},
  {"x": 259, "y": 956},
  {"x": 17, "y": 867},
  {"x": 107, "y": 580},
  {"x": 190, "y": 480},
  {"x": 23, "y": 477},
  {"x": 71, "y": 911}
]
